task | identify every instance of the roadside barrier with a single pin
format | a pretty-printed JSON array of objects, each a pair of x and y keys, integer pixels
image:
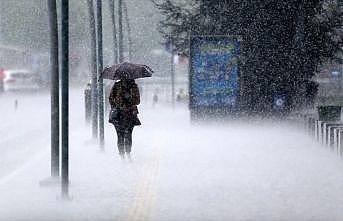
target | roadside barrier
[{"x": 328, "y": 134}]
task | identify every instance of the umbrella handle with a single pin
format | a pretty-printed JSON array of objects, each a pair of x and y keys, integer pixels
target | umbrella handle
[
  {"x": 148, "y": 68},
  {"x": 100, "y": 77}
]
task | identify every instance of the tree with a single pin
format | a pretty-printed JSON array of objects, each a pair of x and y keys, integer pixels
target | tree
[
  {"x": 283, "y": 41},
  {"x": 114, "y": 30},
  {"x": 93, "y": 68}
]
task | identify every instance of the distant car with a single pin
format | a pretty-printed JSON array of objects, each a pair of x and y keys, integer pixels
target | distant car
[{"x": 21, "y": 80}]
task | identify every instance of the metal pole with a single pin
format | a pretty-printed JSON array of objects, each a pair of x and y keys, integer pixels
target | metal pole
[
  {"x": 128, "y": 29},
  {"x": 100, "y": 69},
  {"x": 114, "y": 26},
  {"x": 172, "y": 70},
  {"x": 339, "y": 142},
  {"x": 65, "y": 97},
  {"x": 94, "y": 90},
  {"x": 54, "y": 90},
  {"x": 120, "y": 31}
]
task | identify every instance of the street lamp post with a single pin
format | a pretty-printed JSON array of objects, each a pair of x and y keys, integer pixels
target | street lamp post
[
  {"x": 54, "y": 90},
  {"x": 100, "y": 69},
  {"x": 65, "y": 97}
]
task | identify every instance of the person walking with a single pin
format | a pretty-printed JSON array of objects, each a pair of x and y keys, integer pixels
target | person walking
[
  {"x": 2, "y": 76},
  {"x": 124, "y": 98}
]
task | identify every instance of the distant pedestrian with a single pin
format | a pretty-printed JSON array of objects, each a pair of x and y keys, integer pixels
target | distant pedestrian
[
  {"x": 180, "y": 96},
  {"x": 124, "y": 98},
  {"x": 2, "y": 76},
  {"x": 15, "y": 104},
  {"x": 155, "y": 98},
  {"x": 88, "y": 102}
]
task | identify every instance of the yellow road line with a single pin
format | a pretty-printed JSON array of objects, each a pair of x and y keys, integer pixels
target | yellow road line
[{"x": 146, "y": 189}]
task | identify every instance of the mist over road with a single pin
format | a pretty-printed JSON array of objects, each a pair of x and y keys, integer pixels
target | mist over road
[{"x": 180, "y": 171}]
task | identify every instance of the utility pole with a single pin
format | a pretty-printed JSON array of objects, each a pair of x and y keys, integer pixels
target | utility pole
[
  {"x": 100, "y": 69},
  {"x": 114, "y": 27},
  {"x": 128, "y": 29},
  {"x": 94, "y": 88},
  {"x": 54, "y": 90},
  {"x": 120, "y": 31},
  {"x": 65, "y": 97}
]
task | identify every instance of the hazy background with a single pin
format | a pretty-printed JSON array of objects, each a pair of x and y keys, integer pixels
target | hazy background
[{"x": 24, "y": 27}]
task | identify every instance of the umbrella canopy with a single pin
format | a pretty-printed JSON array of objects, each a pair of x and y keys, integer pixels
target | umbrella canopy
[{"x": 126, "y": 71}]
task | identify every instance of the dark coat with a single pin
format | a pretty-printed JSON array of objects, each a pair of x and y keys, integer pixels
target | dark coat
[{"x": 125, "y": 96}]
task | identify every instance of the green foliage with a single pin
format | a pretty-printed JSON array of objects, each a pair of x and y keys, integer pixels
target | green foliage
[
  {"x": 328, "y": 26},
  {"x": 283, "y": 41}
]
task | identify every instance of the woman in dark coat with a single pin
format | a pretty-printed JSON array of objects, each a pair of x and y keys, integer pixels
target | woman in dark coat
[{"x": 125, "y": 96}]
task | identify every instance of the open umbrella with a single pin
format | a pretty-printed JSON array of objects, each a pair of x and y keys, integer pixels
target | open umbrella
[{"x": 126, "y": 70}]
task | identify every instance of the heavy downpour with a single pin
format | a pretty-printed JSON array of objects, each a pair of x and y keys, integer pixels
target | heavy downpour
[{"x": 170, "y": 110}]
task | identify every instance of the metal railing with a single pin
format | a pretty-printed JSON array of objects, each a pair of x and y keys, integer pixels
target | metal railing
[{"x": 328, "y": 134}]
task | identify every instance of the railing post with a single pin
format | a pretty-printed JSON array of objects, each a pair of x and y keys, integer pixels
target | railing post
[
  {"x": 339, "y": 142},
  {"x": 316, "y": 130},
  {"x": 325, "y": 133},
  {"x": 329, "y": 137},
  {"x": 320, "y": 132},
  {"x": 335, "y": 139}
]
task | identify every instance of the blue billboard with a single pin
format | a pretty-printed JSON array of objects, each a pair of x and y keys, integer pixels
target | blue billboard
[{"x": 214, "y": 71}]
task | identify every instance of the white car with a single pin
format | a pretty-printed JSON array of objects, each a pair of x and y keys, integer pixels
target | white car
[{"x": 21, "y": 80}]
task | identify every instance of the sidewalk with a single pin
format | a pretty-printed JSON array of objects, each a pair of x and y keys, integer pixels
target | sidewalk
[
  {"x": 183, "y": 172},
  {"x": 102, "y": 187}
]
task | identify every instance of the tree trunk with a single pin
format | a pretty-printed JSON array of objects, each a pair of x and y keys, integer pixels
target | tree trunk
[
  {"x": 120, "y": 34},
  {"x": 114, "y": 29},
  {"x": 94, "y": 100},
  {"x": 128, "y": 29}
]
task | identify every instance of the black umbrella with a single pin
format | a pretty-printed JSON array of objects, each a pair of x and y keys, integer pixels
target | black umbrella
[{"x": 126, "y": 70}]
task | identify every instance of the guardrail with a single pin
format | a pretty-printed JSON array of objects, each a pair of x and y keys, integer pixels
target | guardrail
[{"x": 328, "y": 134}]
